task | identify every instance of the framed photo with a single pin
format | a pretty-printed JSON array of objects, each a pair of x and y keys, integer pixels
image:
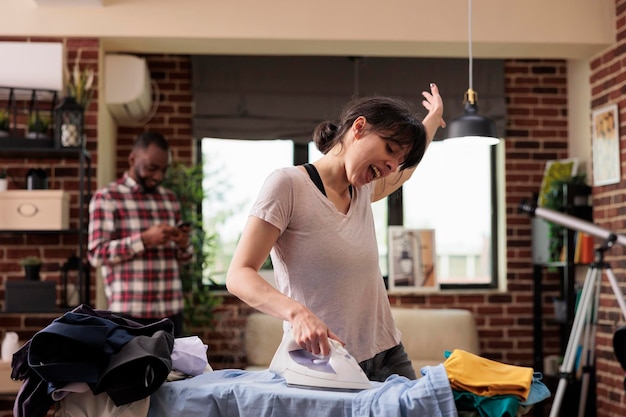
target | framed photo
[
  {"x": 557, "y": 169},
  {"x": 605, "y": 143},
  {"x": 411, "y": 259}
]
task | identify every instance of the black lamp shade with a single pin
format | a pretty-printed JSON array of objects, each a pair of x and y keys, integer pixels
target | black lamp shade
[
  {"x": 68, "y": 124},
  {"x": 471, "y": 124}
]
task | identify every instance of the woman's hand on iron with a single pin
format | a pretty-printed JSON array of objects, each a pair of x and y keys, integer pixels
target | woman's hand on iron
[
  {"x": 312, "y": 334},
  {"x": 333, "y": 336},
  {"x": 320, "y": 346},
  {"x": 314, "y": 340}
]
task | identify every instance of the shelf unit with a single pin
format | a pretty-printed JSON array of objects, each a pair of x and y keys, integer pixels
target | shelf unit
[
  {"x": 36, "y": 150},
  {"x": 20, "y": 104},
  {"x": 575, "y": 203}
]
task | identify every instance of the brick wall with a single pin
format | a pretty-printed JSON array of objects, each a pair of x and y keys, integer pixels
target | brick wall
[
  {"x": 172, "y": 74},
  {"x": 608, "y": 86}
]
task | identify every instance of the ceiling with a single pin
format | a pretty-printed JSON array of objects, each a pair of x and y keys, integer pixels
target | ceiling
[{"x": 565, "y": 29}]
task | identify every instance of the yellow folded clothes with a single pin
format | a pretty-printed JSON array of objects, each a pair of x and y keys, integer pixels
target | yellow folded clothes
[{"x": 484, "y": 377}]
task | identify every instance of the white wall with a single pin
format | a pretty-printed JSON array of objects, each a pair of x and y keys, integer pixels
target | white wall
[{"x": 579, "y": 114}]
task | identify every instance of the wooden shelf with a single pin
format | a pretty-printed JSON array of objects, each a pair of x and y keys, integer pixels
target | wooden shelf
[{"x": 37, "y": 148}]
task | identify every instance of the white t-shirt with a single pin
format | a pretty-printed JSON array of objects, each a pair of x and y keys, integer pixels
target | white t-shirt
[{"x": 328, "y": 261}]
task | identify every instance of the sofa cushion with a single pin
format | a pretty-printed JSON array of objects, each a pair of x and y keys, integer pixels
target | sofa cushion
[
  {"x": 262, "y": 336},
  {"x": 427, "y": 333}
]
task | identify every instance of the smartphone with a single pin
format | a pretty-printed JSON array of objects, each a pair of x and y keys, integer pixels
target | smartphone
[{"x": 183, "y": 224}]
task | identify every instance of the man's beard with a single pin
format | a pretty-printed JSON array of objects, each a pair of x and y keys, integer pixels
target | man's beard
[{"x": 142, "y": 183}]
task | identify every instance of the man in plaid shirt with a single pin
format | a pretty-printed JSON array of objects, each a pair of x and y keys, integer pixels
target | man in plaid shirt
[{"x": 135, "y": 239}]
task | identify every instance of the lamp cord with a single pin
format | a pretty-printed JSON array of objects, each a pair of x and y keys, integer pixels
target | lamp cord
[{"x": 469, "y": 37}]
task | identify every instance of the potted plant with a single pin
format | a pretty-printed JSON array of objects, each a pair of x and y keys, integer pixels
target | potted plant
[
  {"x": 80, "y": 82},
  {"x": 69, "y": 114},
  {"x": 554, "y": 200},
  {"x": 32, "y": 266},
  {"x": 186, "y": 183},
  {"x": 38, "y": 125},
  {"x": 4, "y": 123}
]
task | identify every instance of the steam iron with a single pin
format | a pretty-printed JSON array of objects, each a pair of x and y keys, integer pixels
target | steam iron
[{"x": 337, "y": 371}]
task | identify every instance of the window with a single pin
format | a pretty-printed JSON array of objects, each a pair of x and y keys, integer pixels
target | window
[
  {"x": 237, "y": 168},
  {"x": 451, "y": 191}
]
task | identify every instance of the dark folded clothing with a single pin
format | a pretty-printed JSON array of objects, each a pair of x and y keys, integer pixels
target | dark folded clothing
[{"x": 125, "y": 359}]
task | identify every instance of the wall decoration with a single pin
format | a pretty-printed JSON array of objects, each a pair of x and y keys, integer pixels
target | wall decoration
[
  {"x": 556, "y": 170},
  {"x": 605, "y": 142},
  {"x": 411, "y": 259}
]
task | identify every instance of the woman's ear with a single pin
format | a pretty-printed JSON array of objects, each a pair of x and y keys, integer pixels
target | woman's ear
[{"x": 358, "y": 127}]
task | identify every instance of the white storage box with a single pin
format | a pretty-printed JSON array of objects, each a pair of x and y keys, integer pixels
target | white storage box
[{"x": 34, "y": 210}]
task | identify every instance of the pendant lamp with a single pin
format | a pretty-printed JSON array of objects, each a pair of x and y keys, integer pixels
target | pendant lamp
[{"x": 471, "y": 126}]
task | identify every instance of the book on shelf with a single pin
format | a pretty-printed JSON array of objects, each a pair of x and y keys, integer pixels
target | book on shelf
[
  {"x": 577, "y": 245},
  {"x": 587, "y": 250},
  {"x": 583, "y": 249}
]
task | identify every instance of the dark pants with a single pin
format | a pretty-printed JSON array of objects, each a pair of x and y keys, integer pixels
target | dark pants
[
  {"x": 177, "y": 319},
  {"x": 387, "y": 363}
]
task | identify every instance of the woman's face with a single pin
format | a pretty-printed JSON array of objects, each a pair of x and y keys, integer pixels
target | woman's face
[{"x": 372, "y": 157}]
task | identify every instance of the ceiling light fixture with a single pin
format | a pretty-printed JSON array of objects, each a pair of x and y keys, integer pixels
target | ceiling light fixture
[{"x": 470, "y": 126}]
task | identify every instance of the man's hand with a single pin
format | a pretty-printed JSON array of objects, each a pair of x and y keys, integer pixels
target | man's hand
[
  {"x": 158, "y": 235},
  {"x": 180, "y": 236}
]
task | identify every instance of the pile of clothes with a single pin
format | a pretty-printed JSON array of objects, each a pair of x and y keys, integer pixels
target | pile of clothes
[
  {"x": 490, "y": 388},
  {"x": 91, "y": 350}
]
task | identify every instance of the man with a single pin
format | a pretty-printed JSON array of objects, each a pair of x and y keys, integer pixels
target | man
[{"x": 136, "y": 240}]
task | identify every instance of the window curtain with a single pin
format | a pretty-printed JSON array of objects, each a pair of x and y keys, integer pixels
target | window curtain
[{"x": 285, "y": 97}]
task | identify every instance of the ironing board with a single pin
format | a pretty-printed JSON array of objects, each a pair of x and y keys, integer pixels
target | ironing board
[{"x": 235, "y": 393}]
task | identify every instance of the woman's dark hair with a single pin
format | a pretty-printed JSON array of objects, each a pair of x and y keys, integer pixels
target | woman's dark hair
[{"x": 391, "y": 118}]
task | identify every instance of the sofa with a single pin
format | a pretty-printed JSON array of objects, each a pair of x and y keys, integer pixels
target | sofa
[{"x": 426, "y": 334}]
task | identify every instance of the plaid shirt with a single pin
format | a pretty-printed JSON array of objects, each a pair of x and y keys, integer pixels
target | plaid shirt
[{"x": 143, "y": 282}]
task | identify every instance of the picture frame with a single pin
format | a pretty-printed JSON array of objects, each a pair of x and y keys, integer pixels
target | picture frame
[
  {"x": 412, "y": 260},
  {"x": 556, "y": 169},
  {"x": 605, "y": 145}
]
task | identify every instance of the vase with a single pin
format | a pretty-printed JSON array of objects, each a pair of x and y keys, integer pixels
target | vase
[
  {"x": 4, "y": 184},
  {"x": 32, "y": 272},
  {"x": 10, "y": 345}
]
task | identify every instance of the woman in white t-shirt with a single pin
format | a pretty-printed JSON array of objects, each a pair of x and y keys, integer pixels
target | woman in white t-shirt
[{"x": 316, "y": 222}]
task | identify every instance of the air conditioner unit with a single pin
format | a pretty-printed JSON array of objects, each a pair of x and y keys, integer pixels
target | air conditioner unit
[{"x": 127, "y": 87}]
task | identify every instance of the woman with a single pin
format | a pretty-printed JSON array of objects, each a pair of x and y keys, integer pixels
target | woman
[{"x": 317, "y": 222}]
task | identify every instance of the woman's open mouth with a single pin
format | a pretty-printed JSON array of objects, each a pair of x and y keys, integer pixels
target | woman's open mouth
[{"x": 375, "y": 172}]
